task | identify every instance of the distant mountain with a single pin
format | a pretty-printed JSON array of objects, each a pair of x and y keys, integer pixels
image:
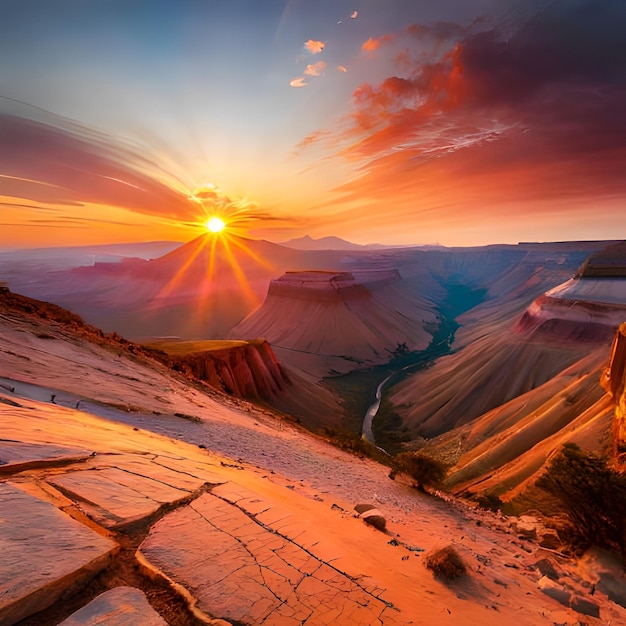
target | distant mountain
[
  {"x": 65, "y": 257},
  {"x": 200, "y": 289},
  {"x": 330, "y": 243}
]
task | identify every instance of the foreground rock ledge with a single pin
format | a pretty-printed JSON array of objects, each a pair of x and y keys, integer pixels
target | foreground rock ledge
[
  {"x": 122, "y": 606},
  {"x": 240, "y": 569},
  {"x": 42, "y": 561}
]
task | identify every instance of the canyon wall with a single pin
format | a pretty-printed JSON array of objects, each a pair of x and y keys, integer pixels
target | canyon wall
[
  {"x": 587, "y": 307},
  {"x": 614, "y": 381},
  {"x": 246, "y": 369},
  {"x": 340, "y": 319}
]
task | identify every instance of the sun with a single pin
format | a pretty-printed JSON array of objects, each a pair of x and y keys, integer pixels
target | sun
[{"x": 215, "y": 224}]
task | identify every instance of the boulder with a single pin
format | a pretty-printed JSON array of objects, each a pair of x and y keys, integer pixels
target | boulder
[
  {"x": 554, "y": 591},
  {"x": 122, "y": 606},
  {"x": 584, "y": 606},
  {"x": 547, "y": 569}
]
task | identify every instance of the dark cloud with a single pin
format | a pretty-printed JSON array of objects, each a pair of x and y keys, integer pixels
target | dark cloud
[{"x": 540, "y": 104}]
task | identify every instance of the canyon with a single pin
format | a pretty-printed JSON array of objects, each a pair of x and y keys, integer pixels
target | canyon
[{"x": 192, "y": 478}]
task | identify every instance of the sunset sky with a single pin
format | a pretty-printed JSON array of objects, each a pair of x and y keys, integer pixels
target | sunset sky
[{"x": 460, "y": 122}]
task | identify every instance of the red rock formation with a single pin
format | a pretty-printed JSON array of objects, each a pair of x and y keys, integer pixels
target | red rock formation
[
  {"x": 248, "y": 370},
  {"x": 360, "y": 316},
  {"x": 588, "y": 307},
  {"x": 614, "y": 381}
]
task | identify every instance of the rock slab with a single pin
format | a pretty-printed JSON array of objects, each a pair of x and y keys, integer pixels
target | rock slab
[
  {"x": 122, "y": 606},
  {"x": 45, "y": 554}
]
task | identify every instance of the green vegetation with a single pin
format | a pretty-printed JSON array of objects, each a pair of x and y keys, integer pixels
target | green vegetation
[
  {"x": 389, "y": 430},
  {"x": 353, "y": 442},
  {"x": 592, "y": 494},
  {"x": 425, "y": 470}
]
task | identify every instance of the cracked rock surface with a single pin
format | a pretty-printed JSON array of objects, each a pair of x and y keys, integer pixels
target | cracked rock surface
[{"x": 247, "y": 571}]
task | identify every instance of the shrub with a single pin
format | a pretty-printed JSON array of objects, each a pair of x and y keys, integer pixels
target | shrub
[
  {"x": 489, "y": 501},
  {"x": 352, "y": 442},
  {"x": 592, "y": 494},
  {"x": 446, "y": 563},
  {"x": 423, "y": 469}
]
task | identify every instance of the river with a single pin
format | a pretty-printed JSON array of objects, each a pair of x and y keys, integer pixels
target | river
[{"x": 459, "y": 299}]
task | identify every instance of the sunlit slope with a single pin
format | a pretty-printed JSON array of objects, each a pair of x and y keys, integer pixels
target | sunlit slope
[
  {"x": 506, "y": 448},
  {"x": 361, "y": 317},
  {"x": 46, "y": 345},
  {"x": 485, "y": 374}
]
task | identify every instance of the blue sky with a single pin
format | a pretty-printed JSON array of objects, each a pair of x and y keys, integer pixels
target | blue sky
[{"x": 462, "y": 122}]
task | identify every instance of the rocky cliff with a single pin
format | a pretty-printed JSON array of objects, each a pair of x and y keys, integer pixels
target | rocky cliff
[
  {"x": 588, "y": 307},
  {"x": 247, "y": 369},
  {"x": 344, "y": 319},
  {"x": 614, "y": 381}
]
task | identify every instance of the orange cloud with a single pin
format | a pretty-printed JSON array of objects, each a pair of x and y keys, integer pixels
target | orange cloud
[
  {"x": 313, "y": 46},
  {"x": 489, "y": 125},
  {"x": 298, "y": 82},
  {"x": 372, "y": 44},
  {"x": 342, "y": 68},
  {"x": 315, "y": 69}
]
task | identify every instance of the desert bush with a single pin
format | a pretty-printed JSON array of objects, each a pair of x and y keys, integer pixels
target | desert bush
[
  {"x": 592, "y": 494},
  {"x": 446, "y": 563},
  {"x": 425, "y": 470},
  {"x": 352, "y": 442},
  {"x": 489, "y": 501}
]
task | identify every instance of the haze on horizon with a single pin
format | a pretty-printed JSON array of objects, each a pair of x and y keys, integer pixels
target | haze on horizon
[{"x": 462, "y": 122}]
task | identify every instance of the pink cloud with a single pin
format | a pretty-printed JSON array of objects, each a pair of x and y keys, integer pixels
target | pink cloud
[
  {"x": 315, "y": 69},
  {"x": 313, "y": 46},
  {"x": 342, "y": 68},
  {"x": 68, "y": 164},
  {"x": 372, "y": 44},
  {"x": 298, "y": 82},
  {"x": 475, "y": 120}
]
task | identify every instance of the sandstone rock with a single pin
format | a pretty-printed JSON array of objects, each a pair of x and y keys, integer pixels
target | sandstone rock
[
  {"x": 526, "y": 527},
  {"x": 240, "y": 571},
  {"x": 550, "y": 539},
  {"x": 113, "y": 496},
  {"x": 17, "y": 456},
  {"x": 554, "y": 591},
  {"x": 377, "y": 521},
  {"x": 45, "y": 554},
  {"x": 362, "y": 508},
  {"x": 584, "y": 606},
  {"x": 546, "y": 567},
  {"x": 122, "y": 606},
  {"x": 248, "y": 369}
]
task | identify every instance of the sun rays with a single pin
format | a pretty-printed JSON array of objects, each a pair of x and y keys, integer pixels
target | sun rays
[
  {"x": 218, "y": 266},
  {"x": 215, "y": 224}
]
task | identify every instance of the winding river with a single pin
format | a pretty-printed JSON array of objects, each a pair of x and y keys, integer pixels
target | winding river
[{"x": 459, "y": 300}]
